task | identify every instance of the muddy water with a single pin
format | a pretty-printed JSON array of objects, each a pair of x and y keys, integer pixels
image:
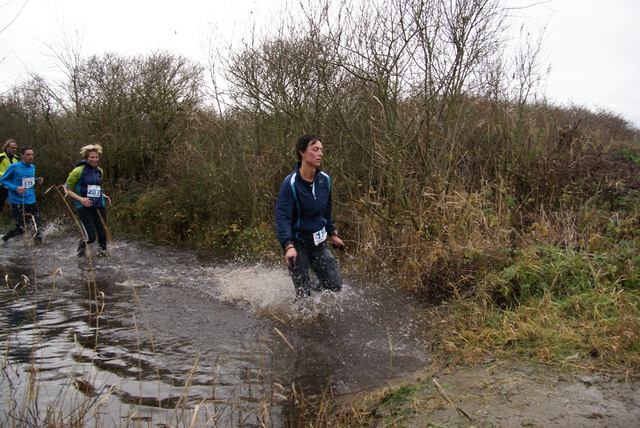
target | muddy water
[{"x": 139, "y": 335}]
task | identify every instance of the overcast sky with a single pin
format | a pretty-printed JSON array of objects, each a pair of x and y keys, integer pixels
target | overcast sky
[{"x": 592, "y": 46}]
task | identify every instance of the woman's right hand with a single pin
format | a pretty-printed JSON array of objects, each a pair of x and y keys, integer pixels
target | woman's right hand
[
  {"x": 87, "y": 202},
  {"x": 290, "y": 256}
]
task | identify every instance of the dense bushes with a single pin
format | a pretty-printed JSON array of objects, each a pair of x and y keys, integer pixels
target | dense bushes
[{"x": 445, "y": 170}]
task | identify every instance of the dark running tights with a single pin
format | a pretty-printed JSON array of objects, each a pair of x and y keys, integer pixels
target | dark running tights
[
  {"x": 323, "y": 264},
  {"x": 93, "y": 221},
  {"x": 25, "y": 215}
]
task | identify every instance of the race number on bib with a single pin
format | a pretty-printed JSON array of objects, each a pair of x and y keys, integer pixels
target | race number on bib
[
  {"x": 28, "y": 182},
  {"x": 320, "y": 236},
  {"x": 93, "y": 191}
]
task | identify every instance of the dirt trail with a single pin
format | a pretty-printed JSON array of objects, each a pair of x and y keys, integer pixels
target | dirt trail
[{"x": 507, "y": 395}]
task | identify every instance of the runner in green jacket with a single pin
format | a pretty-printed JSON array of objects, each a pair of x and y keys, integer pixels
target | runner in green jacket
[
  {"x": 7, "y": 158},
  {"x": 84, "y": 184}
]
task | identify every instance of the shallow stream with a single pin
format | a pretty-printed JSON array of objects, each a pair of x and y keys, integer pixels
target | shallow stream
[{"x": 154, "y": 335}]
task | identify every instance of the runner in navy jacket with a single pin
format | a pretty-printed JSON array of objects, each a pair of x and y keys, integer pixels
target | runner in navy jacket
[
  {"x": 84, "y": 184},
  {"x": 304, "y": 222}
]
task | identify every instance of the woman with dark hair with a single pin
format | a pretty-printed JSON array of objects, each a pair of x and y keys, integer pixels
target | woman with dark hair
[
  {"x": 84, "y": 184},
  {"x": 304, "y": 222}
]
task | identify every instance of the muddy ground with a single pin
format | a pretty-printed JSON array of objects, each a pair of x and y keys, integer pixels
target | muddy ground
[{"x": 500, "y": 394}]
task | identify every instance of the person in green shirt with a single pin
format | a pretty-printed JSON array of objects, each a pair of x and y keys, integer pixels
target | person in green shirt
[{"x": 84, "y": 184}]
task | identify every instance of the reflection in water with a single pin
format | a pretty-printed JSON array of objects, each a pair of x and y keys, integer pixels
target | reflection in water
[{"x": 150, "y": 329}]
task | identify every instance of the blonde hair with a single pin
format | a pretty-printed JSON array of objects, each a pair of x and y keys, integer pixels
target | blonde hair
[
  {"x": 9, "y": 141},
  {"x": 90, "y": 148}
]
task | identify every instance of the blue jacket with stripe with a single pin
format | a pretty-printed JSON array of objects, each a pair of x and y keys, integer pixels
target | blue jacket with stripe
[
  {"x": 20, "y": 175},
  {"x": 303, "y": 208}
]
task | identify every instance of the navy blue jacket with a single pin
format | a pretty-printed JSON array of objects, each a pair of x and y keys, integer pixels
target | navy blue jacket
[
  {"x": 303, "y": 208},
  {"x": 82, "y": 176}
]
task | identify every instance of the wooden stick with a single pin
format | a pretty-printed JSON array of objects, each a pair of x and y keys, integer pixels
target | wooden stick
[{"x": 441, "y": 391}]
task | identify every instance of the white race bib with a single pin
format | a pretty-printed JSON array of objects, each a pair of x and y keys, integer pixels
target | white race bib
[
  {"x": 28, "y": 182},
  {"x": 320, "y": 236},
  {"x": 93, "y": 191}
]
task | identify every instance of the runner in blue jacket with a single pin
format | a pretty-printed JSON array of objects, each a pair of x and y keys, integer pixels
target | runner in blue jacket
[
  {"x": 19, "y": 179},
  {"x": 303, "y": 221}
]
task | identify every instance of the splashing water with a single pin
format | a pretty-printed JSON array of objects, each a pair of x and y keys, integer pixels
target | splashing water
[{"x": 148, "y": 329}]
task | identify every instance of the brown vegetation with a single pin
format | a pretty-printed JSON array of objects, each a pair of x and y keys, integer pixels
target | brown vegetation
[{"x": 447, "y": 172}]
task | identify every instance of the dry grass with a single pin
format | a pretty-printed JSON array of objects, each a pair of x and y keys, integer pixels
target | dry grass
[{"x": 555, "y": 282}]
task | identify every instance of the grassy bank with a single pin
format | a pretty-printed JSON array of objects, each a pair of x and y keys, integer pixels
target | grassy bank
[{"x": 543, "y": 299}]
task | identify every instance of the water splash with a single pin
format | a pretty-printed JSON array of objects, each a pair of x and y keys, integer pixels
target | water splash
[{"x": 240, "y": 317}]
